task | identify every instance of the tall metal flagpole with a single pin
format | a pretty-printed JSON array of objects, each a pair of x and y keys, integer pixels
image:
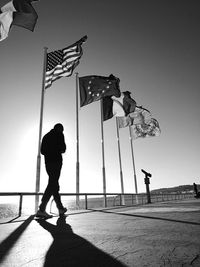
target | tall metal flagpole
[
  {"x": 120, "y": 163},
  {"x": 37, "y": 186},
  {"x": 135, "y": 178},
  {"x": 103, "y": 157},
  {"x": 77, "y": 142}
]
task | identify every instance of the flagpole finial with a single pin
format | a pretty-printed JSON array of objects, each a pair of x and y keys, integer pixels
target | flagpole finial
[{"x": 84, "y": 38}]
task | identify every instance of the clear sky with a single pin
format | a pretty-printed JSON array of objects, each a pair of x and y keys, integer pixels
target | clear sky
[{"x": 151, "y": 45}]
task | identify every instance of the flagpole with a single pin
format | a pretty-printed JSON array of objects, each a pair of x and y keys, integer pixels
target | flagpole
[
  {"x": 77, "y": 143},
  {"x": 120, "y": 162},
  {"x": 38, "y": 168},
  {"x": 103, "y": 157},
  {"x": 134, "y": 170}
]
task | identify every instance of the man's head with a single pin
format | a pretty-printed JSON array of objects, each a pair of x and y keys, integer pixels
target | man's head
[{"x": 59, "y": 127}]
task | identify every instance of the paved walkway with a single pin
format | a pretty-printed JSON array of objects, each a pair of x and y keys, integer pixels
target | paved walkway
[{"x": 162, "y": 234}]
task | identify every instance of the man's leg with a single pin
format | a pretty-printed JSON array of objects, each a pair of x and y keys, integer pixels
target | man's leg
[
  {"x": 47, "y": 194},
  {"x": 55, "y": 170},
  {"x": 56, "y": 188}
]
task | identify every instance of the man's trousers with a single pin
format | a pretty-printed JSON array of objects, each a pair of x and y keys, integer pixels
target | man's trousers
[{"x": 53, "y": 170}]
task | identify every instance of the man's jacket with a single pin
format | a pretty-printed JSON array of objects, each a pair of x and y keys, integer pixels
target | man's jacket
[{"x": 53, "y": 145}]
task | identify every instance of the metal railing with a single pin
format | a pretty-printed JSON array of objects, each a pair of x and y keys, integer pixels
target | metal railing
[
  {"x": 141, "y": 199},
  {"x": 87, "y": 200}
]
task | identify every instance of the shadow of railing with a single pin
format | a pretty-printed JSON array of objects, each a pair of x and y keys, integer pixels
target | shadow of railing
[{"x": 146, "y": 217}]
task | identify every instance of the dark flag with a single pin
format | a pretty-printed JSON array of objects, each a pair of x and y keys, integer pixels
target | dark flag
[
  {"x": 93, "y": 88},
  {"x": 118, "y": 106},
  {"x": 61, "y": 63},
  {"x": 19, "y": 13}
]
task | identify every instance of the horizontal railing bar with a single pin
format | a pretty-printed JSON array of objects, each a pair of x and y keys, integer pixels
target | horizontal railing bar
[
  {"x": 88, "y": 194},
  {"x": 63, "y": 194},
  {"x": 34, "y": 193},
  {"x": 170, "y": 196}
]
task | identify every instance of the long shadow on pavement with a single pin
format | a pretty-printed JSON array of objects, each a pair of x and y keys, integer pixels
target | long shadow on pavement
[
  {"x": 70, "y": 249},
  {"x": 9, "y": 242},
  {"x": 147, "y": 217}
]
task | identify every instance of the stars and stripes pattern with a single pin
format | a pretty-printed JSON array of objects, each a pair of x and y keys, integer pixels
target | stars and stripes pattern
[
  {"x": 93, "y": 88},
  {"x": 61, "y": 63}
]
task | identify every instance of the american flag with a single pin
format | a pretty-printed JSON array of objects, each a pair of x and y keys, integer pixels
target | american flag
[{"x": 61, "y": 63}]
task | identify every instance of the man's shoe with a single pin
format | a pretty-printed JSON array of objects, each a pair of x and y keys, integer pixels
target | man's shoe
[
  {"x": 62, "y": 211},
  {"x": 43, "y": 214}
]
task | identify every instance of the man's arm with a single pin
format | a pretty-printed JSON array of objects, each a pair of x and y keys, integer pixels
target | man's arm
[
  {"x": 63, "y": 145},
  {"x": 42, "y": 148}
]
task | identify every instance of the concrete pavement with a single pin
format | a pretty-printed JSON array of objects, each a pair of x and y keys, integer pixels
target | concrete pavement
[{"x": 161, "y": 234}]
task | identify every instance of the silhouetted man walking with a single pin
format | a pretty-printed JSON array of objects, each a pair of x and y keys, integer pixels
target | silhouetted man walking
[{"x": 52, "y": 147}]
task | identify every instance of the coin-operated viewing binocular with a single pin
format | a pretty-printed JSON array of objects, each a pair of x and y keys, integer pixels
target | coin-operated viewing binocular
[
  {"x": 147, "y": 182},
  {"x": 147, "y": 176}
]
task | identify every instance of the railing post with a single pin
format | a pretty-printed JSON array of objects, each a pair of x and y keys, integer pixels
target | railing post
[
  {"x": 120, "y": 199},
  {"x": 86, "y": 204},
  {"x": 20, "y": 203},
  {"x": 105, "y": 201}
]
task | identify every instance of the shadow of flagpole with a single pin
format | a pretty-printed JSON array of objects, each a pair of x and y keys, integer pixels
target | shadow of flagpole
[{"x": 9, "y": 242}]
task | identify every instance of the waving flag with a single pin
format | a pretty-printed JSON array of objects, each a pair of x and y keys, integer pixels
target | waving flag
[
  {"x": 93, "y": 88},
  {"x": 118, "y": 106},
  {"x": 135, "y": 117},
  {"x": 17, "y": 12},
  {"x": 61, "y": 63},
  {"x": 141, "y": 122},
  {"x": 149, "y": 128}
]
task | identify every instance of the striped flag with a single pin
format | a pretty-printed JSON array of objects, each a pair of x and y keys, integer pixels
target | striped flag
[
  {"x": 19, "y": 13},
  {"x": 61, "y": 63},
  {"x": 118, "y": 106}
]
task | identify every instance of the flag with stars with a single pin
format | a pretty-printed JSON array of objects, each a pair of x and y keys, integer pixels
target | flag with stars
[
  {"x": 93, "y": 88},
  {"x": 61, "y": 63}
]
